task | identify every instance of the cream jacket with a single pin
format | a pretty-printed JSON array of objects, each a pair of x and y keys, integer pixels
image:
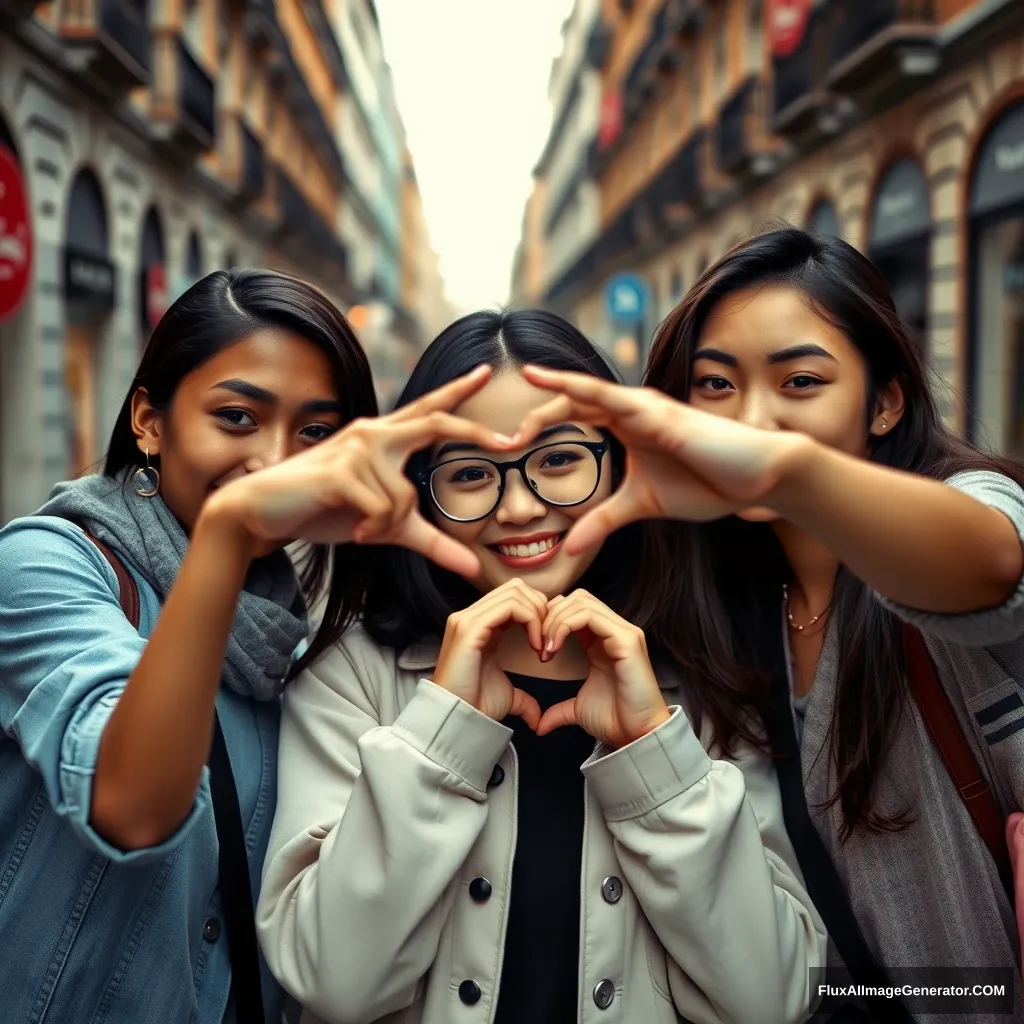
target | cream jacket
[{"x": 390, "y": 805}]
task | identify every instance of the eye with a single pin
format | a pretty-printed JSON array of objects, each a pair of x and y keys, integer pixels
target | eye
[
  {"x": 469, "y": 475},
  {"x": 559, "y": 460},
  {"x": 802, "y": 381},
  {"x": 714, "y": 383},
  {"x": 318, "y": 431},
  {"x": 236, "y": 417}
]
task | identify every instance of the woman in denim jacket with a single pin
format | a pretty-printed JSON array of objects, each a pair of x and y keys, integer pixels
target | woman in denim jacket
[{"x": 110, "y": 906}]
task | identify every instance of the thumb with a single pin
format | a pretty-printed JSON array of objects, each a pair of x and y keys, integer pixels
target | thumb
[
  {"x": 557, "y": 716},
  {"x": 416, "y": 534},
  {"x": 595, "y": 526},
  {"x": 525, "y": 706}
]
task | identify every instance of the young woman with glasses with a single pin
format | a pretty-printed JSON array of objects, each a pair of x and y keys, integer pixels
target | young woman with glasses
[{"x": 492, "y": 806}]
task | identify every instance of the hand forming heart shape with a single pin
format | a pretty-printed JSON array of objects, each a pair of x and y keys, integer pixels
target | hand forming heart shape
[{"x": 620, "y": 700}]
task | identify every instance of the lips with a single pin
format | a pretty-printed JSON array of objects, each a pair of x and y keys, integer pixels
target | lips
[{"x": 528, "y": 552}]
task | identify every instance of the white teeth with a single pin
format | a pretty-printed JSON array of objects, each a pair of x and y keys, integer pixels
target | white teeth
[{"x": 526, "y": 550}]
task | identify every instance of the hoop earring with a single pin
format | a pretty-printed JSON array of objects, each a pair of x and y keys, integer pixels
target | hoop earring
[{"x": 146, "y": 482}]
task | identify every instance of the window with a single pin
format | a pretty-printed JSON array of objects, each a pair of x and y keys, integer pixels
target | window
[
  {"x": 755, "y": 35},
  {"x": 695, "y": 113},
  {"x": 722, "y": 52}
]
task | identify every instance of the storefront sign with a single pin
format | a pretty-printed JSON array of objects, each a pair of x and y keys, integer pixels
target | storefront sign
[
  {"x": 901, "y": 209},
  {"x": 155, "y": 297},
  {"x": 610, "y": 127},
  {"x": 15, "y": 236},
  {"x": 626, "y": 299},
  {"x": 999, "y": 171},
  {"x": 89, "y": 279},
  {"x": 787, "y": 23}
]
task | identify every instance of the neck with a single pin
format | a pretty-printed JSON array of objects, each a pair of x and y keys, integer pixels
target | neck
[
  {"x": 814, "y": 566},
  {"x": 516, "y": 655}
]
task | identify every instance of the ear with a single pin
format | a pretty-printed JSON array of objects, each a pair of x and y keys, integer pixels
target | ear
[
  {"x": 889, "y": 408},
  {"x": 147, "y": 423}
]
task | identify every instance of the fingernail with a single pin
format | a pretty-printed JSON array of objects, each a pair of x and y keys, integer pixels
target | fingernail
[
  {"x": 503, "y": 438},
  {"x": 550, "y": 645}
]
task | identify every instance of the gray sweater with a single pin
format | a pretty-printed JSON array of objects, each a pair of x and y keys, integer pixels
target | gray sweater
[{"x": 930, "y": 896}]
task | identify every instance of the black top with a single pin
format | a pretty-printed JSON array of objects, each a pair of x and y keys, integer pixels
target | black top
[{"x": 540, "y": 976}]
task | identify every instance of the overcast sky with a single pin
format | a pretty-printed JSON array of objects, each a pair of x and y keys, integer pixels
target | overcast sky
[{"x": 471, "y": 79}]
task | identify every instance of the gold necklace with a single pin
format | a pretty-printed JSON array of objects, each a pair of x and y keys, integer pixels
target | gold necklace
[{"x": 789, "y": 614}]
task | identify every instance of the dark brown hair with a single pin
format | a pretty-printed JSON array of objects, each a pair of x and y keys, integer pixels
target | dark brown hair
[
  {"x": 712, "y": 593},
  {"x": 218, "y": 310}
]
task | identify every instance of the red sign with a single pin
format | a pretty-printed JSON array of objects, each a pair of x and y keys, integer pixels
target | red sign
[
  {"x": 157, "y": 299},
  {"x": 15, "y": 236},
  {"x": 611, "y": 119},
  {"x": 787, "y": 22}
]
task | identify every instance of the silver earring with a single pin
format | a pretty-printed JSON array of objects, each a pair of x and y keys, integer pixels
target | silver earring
[
  {"x": 884, "y": 424},
  {"x": 146, "y": 482}
]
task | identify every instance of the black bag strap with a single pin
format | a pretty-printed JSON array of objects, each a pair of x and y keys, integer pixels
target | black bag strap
[
  {"x": 235, "y": 884},
  {"x": 824, "y": 886}
]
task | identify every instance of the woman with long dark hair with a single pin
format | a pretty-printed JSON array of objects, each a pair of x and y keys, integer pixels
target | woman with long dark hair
[
  {"x": 844, "y": 570},
  {"x": 149, "y": 618},
  {"x": 492, "y": 806}
]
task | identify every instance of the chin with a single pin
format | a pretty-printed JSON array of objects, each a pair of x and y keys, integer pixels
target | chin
[{"x": 758, "y": 515}]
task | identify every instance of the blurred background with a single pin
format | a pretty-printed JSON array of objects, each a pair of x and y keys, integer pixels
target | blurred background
[{"x": 420, "y": 158}]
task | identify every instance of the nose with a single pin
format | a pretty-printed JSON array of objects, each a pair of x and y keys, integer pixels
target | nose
[
  {"x": 519, "y": 504},
  {"x": 757, "y": 410},
  {"x": 269, "y": 447}
]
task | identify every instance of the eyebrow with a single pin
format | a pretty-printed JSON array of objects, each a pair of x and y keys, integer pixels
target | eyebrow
[
  {"x": 264, "y": 397},
  {"x": 547, "y": 432},
  {"x": 783, "y": 355}
]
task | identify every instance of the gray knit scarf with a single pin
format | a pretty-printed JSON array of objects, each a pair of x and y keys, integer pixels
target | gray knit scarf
[{"x": 270, "y": 620}]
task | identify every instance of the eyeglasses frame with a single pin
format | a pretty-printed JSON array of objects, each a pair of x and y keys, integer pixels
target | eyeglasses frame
[{"x": 597, "y": 448}]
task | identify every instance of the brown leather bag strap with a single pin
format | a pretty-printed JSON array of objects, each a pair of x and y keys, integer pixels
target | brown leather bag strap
[
  {"x": 955, "y": 751},
  {"x": 128, "y": 592}
]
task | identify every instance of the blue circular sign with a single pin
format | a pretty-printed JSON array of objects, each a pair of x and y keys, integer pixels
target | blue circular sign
[{"x": 626, "y": 298}]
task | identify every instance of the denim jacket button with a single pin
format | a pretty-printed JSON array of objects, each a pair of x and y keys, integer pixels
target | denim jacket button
[{"x": 211, "y": 930}]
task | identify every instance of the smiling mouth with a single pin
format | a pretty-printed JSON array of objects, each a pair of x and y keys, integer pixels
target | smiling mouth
[{"x": 534, "y": 549}]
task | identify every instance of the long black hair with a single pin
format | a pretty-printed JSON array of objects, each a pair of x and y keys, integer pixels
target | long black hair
[
  {"x": 712, "y": 593},
  {"x": 220, "y": 309},
  {"x": 411, "y": 598}
]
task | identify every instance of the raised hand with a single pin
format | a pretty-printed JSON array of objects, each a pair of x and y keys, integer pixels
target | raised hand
[
  {"x": 681, "y": 462},
  {"x": 620, "y": 701},
  {"x": 466, "y": 665},
  {"x": 351, "y": 487}
]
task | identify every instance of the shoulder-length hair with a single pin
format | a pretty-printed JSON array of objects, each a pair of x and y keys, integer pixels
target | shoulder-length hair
[
  {"x": 410, "y": 598},
  {"x": 712, "y": 593},
  {"x": 220, "y": 309}
]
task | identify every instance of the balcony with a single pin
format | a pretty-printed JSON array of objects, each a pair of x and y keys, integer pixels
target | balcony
[
  {"x": 743, "y": 140},
  {"x": 246, "y": 161},
  {"x": 107, "y": 41},
  {"x": 877, "y": 44},
  {"x": 301, "y": 227},
  {"x": 799, "y": 96},
  {"x": 181, "y": 103}
]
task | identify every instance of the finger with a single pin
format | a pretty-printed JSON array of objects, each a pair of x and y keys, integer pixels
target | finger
[
  {"x": 515, "y": 586},
  {"x": 416, "y": 534},
  {"x": 525, "y": 706},
  {"x": 557, "y": 716},
  {"x": 602, "y": 623},
  {"x": 447, "y": 397},
  {"x": 364, "y": 497},
  {"x": 511, "y": 605},
  {"x": 396, "y": 493},
  {"x": 584, "y": 387},
  {"x": 414, "y": 434},
  {"x": 595, "y": 526},
  {"x": 559, "y": 410}
]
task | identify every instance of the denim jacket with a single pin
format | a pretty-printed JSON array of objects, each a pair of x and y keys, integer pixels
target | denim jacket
[{"x": 93, "y": 934}]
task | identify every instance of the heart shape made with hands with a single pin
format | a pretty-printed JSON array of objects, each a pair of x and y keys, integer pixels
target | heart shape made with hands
[{"x": 620, "y": 699}]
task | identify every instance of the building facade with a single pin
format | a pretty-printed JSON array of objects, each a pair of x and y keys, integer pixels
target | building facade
[
  {"x": 153, "y": 142},
  {"x": 897, "y": 125}
]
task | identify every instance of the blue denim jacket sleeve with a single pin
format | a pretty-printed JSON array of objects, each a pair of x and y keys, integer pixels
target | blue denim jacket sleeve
[{"x": 66, "y": 652}]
